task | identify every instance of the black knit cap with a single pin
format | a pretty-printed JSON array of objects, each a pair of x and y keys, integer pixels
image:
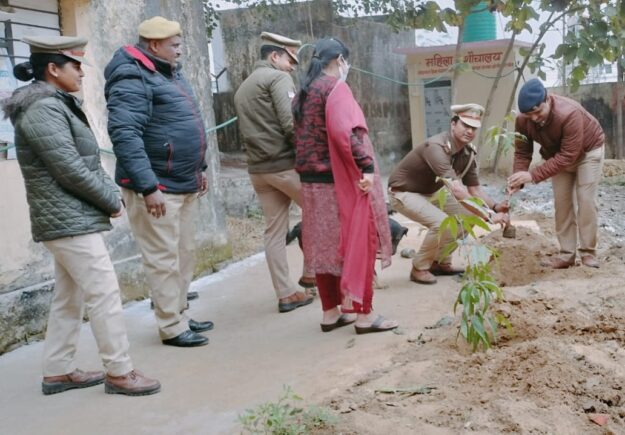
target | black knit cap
[{"x": 531, "y": 95}]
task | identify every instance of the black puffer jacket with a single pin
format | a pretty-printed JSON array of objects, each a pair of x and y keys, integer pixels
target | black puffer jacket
[
  {"x": 67, "y": 190},
  {"x": 154, "y": 123}
]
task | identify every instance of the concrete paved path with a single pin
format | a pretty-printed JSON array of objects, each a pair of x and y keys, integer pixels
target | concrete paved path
[{"x": 253, "y": 352}]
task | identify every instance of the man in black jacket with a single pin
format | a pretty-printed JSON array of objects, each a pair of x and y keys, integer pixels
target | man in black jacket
[{"x": 159, "y": 140}]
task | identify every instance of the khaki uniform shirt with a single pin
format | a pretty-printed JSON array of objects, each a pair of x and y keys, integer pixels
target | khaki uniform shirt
[{"x": 436, "y": 157}]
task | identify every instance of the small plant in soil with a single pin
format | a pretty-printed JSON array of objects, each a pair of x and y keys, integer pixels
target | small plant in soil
[
  {"x": 285, "y": 417},
  {"x": 478, "y": 325}
]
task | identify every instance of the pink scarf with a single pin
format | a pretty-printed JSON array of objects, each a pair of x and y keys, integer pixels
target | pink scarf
[{"x": 365, "y": 232}]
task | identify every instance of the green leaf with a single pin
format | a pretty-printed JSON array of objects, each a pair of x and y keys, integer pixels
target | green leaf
[
  {"x": 472, "y": 220},
  {"x": 441, "y": 197},
  {"x": 614, "y": 42},
  {"x": 486, "y": 301},
  {"x": 476, "y": 323},
  {"x": 610, "y": 11},
  {"x": 583, "y": 53},
  {"x": 464, "y": 329},
  {"x": 570, "y": 53},
  {"x": 479, "y": 255},
  {"x": 501, "y": 320},
  {"x": 451, "y": 247},
  {"x": 578, "y": 73},
  {"x": 493, "y": 326},
  {"x": 559, "y": 51},
  {"x": 451, "y": 223}
]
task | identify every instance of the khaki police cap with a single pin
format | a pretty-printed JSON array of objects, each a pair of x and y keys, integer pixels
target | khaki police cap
[
  {"x": 159, "y": 28},
  {"x": 290, "y": 45},
  {"x": 69, "y": 46},
  {"x": 470, "y": 114}
]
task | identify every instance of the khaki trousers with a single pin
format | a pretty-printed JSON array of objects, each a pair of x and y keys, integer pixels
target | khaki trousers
[
  {"x": 424, "y": 209},
  {"x": 167, "y": 247},
  {"x": 275, "y": 193},
  {"x": 575, "y": 203},
  {"x": 84, "y": 277}
]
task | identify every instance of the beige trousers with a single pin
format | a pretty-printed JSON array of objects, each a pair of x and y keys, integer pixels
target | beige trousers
[
  {"x": 275, "y": 193},
  {"x": 167, "y": 247},
  {"x": 425, "y": 210},
  {"x": 84, "y": 277},
  {"x": 575, "y": 203}
]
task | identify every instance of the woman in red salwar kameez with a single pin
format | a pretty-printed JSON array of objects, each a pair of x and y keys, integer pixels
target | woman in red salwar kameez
[{"x": 344, "y": 220}]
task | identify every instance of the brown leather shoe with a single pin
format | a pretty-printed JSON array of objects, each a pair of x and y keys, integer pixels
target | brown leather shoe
[
  {"x": 445, "y": 269},
  {"x": 75, "y": 379},
  {"x": 422, "y": 276},
  {"x": 557, "y": 263},
  {"x": 296, "y": 300},
  {"x": 590, "y": 260},
  {"x": 132, "y": 383}
]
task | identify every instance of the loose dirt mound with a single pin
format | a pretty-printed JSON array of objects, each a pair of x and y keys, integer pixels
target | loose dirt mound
[
  {"x": 519, "y": 259},
  {"x": 613, "y": 168},
  {"x": 564, "y": 363}
]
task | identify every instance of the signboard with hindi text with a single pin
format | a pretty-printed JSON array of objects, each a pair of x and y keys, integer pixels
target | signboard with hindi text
[
  {"x": 440, "y": 63},
  {"x": 429, "y": 66}
]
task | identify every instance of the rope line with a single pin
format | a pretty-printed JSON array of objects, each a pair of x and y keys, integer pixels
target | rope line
[
  {"x": 375, "y": 75},
  {"x": 110, "y": 151}
]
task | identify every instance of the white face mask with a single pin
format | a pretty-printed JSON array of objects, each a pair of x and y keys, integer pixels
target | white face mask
[{"x": 343, "y": 69}]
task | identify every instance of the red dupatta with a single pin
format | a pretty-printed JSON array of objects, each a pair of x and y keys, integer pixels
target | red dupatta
[{"x": 365, "y": 232}]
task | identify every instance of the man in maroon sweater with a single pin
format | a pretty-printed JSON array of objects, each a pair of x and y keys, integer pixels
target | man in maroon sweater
[{"x": 572, "y": 146}]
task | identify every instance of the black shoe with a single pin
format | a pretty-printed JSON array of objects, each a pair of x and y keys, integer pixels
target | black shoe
[
  {"x": 187, "y": 339},
  {"x": 196, "y": 326}
]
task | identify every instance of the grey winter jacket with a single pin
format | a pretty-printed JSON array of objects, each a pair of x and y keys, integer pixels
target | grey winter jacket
[
  {"x": 67, "y": 190},
  {"x": 154, "y": 123}
]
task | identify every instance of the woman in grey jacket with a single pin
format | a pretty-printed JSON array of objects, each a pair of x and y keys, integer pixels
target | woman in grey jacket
[{"x": 71, "y": 201}]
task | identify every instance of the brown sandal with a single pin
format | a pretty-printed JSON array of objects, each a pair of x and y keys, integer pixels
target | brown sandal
[
  {"x": 341, "y": 321},
  {"x": 307, "y": 282}
]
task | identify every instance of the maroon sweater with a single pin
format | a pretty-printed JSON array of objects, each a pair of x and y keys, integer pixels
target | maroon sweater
[
  {"x": 312, "y": 156},
  {"x": 570, "y": 131}
]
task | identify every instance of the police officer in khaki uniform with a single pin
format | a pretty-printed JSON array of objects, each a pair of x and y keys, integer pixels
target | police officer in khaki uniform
[
  {"x": 159, "y": 139},
  {"x": 71, "y": 201},
  {"x": 413, "y": 186},
  {"x": 263, "y": 104}
]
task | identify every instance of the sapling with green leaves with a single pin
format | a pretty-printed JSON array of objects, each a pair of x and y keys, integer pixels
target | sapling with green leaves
[{"x": 478, "y": 325}]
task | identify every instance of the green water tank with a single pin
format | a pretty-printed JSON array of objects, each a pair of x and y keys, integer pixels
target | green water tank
[{"x": 480, "y": 24}]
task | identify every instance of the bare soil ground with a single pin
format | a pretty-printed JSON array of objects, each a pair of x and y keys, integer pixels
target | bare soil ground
[
  {"x": 561, "y": 368},
  {"x": 564, "y": 364},
  {"x": 246, "y": 235}
]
